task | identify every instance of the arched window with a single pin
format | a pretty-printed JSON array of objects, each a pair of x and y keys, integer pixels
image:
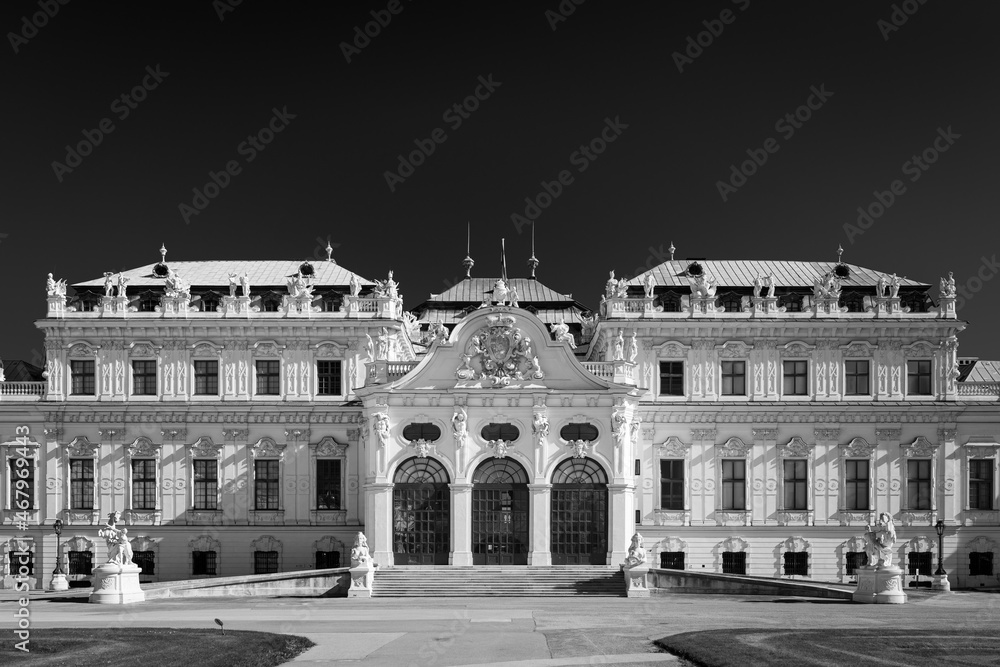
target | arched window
[
  {"x": 791, "y": 302},
  {"x": 671, "y": 302},
  {"x": 506, "y": 432},
  {"x": 420, "y": 471},
  {"x": 500, "y": 471},
  {"x": 421, "y": 431},
  {"x": 732, "y": 302},
  {"x": 579, "y": 471},
  {"x": 574, "y": 432}
]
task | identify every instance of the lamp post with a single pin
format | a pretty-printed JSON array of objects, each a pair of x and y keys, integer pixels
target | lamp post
[
  {"x": 941, "y": 582},
  {"x": 59, "y": 582}
]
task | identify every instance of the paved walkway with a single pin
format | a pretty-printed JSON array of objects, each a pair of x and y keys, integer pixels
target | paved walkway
[{"x": 513, "y": 631}]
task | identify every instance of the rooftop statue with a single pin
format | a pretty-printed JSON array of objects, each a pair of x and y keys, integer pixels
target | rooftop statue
[
  {"x": 827, "y": 286},
  {"x": 881, "y": 287},
  {"x": 55, "y": 287},
  {"x": 769, "y": 284},
  {"x": 894, "y": 283},
  {"x": 109, "y": 283},
  {"x": 948, "y": 288},
  {"x": 175, "y": 286},
  {"x": 648, "y": 284},
  {"x": 621, "y": 289},
  {"x": 245, "y": 283},
  {"x": 758, "y": 286},
  {"x": 611, "y": 286},
  {"x": 122, "y": 284},
  {"x": 703, "y": 287},
  {"x": 297, "y": 286},
  {"x": 561, "y": 333},
  {"x": 618, "y": 353},
  {"x": 234, "y": 281},
  {"x": 500, "y": 291},
  {"x": 512, "y": 296},
  {"x": 355, "y": 285}
]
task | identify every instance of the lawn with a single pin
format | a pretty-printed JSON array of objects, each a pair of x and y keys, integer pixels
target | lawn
[
  {"x": 866, "y": 646},
  {"x": 163, "y": 647}
]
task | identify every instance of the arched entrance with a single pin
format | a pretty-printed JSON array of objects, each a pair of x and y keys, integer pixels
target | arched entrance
[
  {"x": 500, "y": 513},
  {"x": 421, "y": 513},
  {"x": 579, "y": 513}
]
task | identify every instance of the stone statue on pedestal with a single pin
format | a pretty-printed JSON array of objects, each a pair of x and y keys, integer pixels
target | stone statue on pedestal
[
  {"x": 894, "y": 283},
  {"x": 769, "y": 284},
  {"x": 234, "y": 281},
  {"x": 948, "y": 288},
  {"x": 758, "y": 286},
  {"x": 119, "y": 549},
  {"x": 560, "y": 333},
  {"x": 648, "y": 284},
  {"x": 879, "y": 541},
  {"x": 355, "y": 285},
  {"x": 460, "y": 422},
  {"x": 245, "y": 283},
  {"x": 55, "y": 287},
  {"x": 109, "y": 283},
  {"x": 636, "y": 552},
  {"x": 360, "y": 554},
  {"x": 611, "y": 286}
]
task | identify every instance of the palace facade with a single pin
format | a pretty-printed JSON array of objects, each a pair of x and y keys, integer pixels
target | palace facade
[{"x": 744, "y": 416}]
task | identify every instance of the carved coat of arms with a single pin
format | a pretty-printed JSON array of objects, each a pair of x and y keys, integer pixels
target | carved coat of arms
[{"x": 499, "y": 353}]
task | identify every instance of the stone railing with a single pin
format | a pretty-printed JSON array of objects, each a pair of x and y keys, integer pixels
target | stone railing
[
  {"x": 983, "y": 389},
  {"x": 22, "y": 390},
  {"x": 602, "y": 369},
  {"x": 397, "y": 369}
]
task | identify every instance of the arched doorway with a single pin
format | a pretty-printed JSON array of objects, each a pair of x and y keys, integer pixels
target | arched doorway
[
  {"x": 421, "y": 513},
  {"x": 579, "y": 513},
  {"x": 500, "y": 513}
]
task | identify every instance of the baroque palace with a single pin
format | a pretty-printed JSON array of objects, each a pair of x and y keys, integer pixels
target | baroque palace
[{"x": 747, "y": 417}]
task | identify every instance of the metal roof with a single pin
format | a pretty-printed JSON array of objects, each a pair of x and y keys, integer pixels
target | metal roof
[
  {"x": 215, "y": 273},
  {"x": 983, "y": 371},
  {"x": 546, "y": 315},
  {"x": 473, "y": 290},
  {"x": 741, "y": 273}
]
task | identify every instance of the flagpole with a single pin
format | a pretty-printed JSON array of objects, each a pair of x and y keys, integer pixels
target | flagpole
[{"x": 503, "y": 261}]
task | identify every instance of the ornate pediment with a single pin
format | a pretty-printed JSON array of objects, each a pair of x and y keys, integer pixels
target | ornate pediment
[
  {"x": 795, "y": 448},
  {"x": 673, "y": 448},
  {"x": 205, "y": 543},
  {"x": 735, "y": 349},
  {"x": 267, "y": 348},
  {"x": 204, "y": 448},
  {"x": 266, "y": 448},
  {"x": 734, "y": 543},
  {"x": 82, "y": 350},
  {"x": 797, "y": 349},
  {"x": 858, "y": 448},
  {"x": 858, "y": 348},
  {"x": 499, "y": 353},
  {"x": 919, "y": 448},
  {"x": 142, "y": 349},
  {"x": 206, "y": 349},
  {"x": 143, "y": 447},
  {"x": 82, "y": 448},
  {"x": 733, "y": 448},
  {"x": 921, "y": 348},
  {"x": 330, "y": 350},
  {"x": 329, "y": 447},
  {"x": 671, "y": 350},
  {"x": 796, "y": 544}
]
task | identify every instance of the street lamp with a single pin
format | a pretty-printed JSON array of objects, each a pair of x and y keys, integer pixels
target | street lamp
[
  {"x": 58, "y": 582},
  {"x": 941, "y": 582}
]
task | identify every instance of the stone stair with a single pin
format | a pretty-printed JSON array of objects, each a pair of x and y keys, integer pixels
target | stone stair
[{"x": 497, "y": 582}]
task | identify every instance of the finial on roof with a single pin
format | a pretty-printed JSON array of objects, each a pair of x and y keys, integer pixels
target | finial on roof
[
  {"x": 163, "y": 253},
  {"x": 671, "y": 249},
  {"x": 840, "y": 251},
  {"x": 329, "y": 250},
  {"x": 532, "y": 261},
  {"x": 468, "y": 262}
]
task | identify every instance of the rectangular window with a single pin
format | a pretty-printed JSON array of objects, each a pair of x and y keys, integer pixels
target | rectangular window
[
  {"x": 981, "y": 484},
  {"x": 734, "y": 484},
  {"x": 265, "y": 562},
  {"x": 328, "y": 378},
  {"x": 206, "y": 484},
  {"x": 856, "y": 378},
  {"x": 81, "y": 562},
  {"x": 981, "y": 564},
  {"x": 671, "y": 378},
  {"x": 203, "y": 563},
  {"x": 856, "y": 492},
  {"x": 22, "y": 484},
  {"x": 796, "y": 485},
  {"x": 797, "y": 563},
  {"x": 82, "y": 373},
  {"x": 672, "y": 484},
  {"x": 206, "y": 378},
  {"x": 918, "y": 377},
  {"x": 795, "y": 378},
  {"x": 266, "y": 484},
  {"x": 855, "y": 559},
  {"x": 734, "y": 378},
  {"x": 144, "y": 378},
  {"x": 23, "y": 563},
  {"x": 81, "y": 484},
  {"x": 147, "y": 561},
  {"x": 144, "y": 484},
  {"x": 328, "y": 484},
  {"x": 268, "y": 378},
  {"x": 918, "y": 484},
  {"x": 734, "y": 562},
  {"x": 327, "y": 559},
  {"x": 672, "y": 560},
  {"x": 919, "y": 562}
]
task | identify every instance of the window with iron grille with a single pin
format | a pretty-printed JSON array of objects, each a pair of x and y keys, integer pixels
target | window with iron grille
[
  {"x": 144, "y": 378},
  {"x": 981, "y": 564},
  {"x": 672, "y": 484},
  {"x": 981, "y": 484},
  {"x": 328, "y": 484},
  {"x": 856, "y": 489},
  {"x": 734, "y": 378},
  {"x": 918, "y": 484},
  {"x": 671, "y": 378},
  {"x": 81, "y": 562},
  {"x": 796, "y": 482},
  {"x": 82, "y": 373},
  {"x": 919, "y": 562},
  {"x": 81, "y": 484},
  {"x": 672, "y": 560},
  {"x": 206, "y": 377},
  {"x": 327, "y": 559},
  {"x": 918, "y": 377},
  {"x": 734, "y": 484},
  {"x": 206, "y": 484},
  {"x": 144, "y": 484},
  {"x": 265, "y": 562},
  {"x": 266, "y": 484},
  {"x": 268, "y": 378},
  {"x": 734, "y": 562},
  {"x": 856, "y": 377},
  {"x": 797, "y": 563},
  {"x": 26, "y": 559},
  {"x": 856, "y": 559},
  {"x": 795, "y": 378},
  {"x": 328, "y": 378},
  {"x": 203, "y": 563},
  {"x": 146, "y": 560},
  {"x": 22, "y": 483}
]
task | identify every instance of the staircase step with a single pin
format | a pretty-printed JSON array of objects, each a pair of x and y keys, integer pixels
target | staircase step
[{"x": 496, "y": 582}]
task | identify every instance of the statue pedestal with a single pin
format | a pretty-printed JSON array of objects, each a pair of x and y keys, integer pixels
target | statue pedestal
[
  {"x": 941, "y": 584},
  {"x": 635, "y": 581},
  {"x": 880, "y": 585},
  {"x": 362, "y": 576},
  {"x": 117, "y": 584},
  {"x": 703, "y": 305},
  {"x": 623, "y": 372},
  {"x": 946, "y": 307},
  {"x": 764, "y": 306},
  {"x": 888, "y": 305},
  {"x": 58, "y": 582}
]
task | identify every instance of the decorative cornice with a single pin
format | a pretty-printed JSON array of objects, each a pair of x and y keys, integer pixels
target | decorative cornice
[
  {"x": 890, "y": 434},
  {"x": 702, "y": 434},
  {"x": 765, "y": 434},
  {"x": 826, "y": 434}
]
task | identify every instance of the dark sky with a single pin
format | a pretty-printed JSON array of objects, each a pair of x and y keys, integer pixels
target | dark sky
[{"x": 888, "y": 94}]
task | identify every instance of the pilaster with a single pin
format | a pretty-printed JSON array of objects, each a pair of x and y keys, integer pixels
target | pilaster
[{"x": 540, "y": 545}]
